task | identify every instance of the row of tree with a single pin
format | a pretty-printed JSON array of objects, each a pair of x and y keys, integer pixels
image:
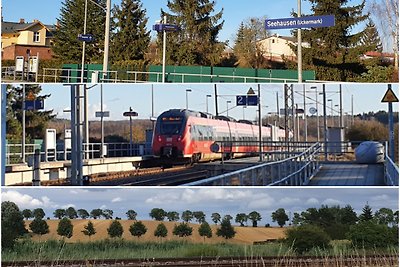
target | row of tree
[
  {"x": 312, "y": 228},
  {"x": 196, "y": 43}
]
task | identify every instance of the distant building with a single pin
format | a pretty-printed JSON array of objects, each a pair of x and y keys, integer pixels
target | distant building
[
  {"x": 383, "y": 57},
  {"x": 19, "y": 37},
  {"x": 277, "y": 48}
]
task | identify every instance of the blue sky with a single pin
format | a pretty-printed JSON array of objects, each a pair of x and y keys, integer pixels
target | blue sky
[
  {"x": 119, "y": 97},
  {"x": 234, "y": 12},
  {"x": 222, "y": 200}
]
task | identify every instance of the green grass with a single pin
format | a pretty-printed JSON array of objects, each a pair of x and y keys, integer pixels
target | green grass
[{"x": 120, "y": 249}]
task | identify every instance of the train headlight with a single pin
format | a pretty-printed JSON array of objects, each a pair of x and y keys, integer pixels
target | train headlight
[
  {"x": 179, "y": 138},
  {"x": 159, "y": 138}
]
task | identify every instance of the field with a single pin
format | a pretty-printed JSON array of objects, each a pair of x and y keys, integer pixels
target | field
[{"x": 244, "y": 235}]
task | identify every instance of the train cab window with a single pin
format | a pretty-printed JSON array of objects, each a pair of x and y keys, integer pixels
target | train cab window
[{"x": 171, "y": 125}]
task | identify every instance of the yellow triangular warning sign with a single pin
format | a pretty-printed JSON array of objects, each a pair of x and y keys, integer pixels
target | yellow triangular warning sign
[
  {"x": 389, "y": 96},
  {"x": 30, "y": 96},
  {"x": 251, "y": 91}
]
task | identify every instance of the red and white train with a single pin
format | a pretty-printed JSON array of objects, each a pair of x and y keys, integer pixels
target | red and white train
[{"x": 184, "y": 134}]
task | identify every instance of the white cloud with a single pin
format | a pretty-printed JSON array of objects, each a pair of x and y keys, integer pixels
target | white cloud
[
  {"x": 312, "y": 201},
  {"x": 332, "y": 202},
  {"x": 383, "y": 197},
  {"x": 117, "y": 199},
  {"x": 289, "y": 201},
  {"x": 79, "y": 191},
  {"x": 25, "y": 201},
  {"x": 103, "y": 207}
]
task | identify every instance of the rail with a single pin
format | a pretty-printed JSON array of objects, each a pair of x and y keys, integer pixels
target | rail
[
  {"x": 391, "y": 170},
  {"x": 295, "y": 170}
]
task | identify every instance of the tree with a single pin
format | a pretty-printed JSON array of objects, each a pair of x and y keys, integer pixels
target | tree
[
  {"x": 182, "y": 230},
  {"x": 39, "y": 226},
  {"x": 387, "y": 13},
  {"x": 227, "y": 217},
  {"x": 196, "y": 43},
  {"x": 205, "y": 230},
  {"x": 246, "y": 48},
  {"x": 27, "y": 213},
  {"x": 367, "y": 214},
  {"x": 161, "y": 231},
  {"x": 367, "y": 234},
  {"x": 71, "y": 213},
  {"x": 280, "y": 217},
  {"x": 254, "y": 216},
  {"x": 241, "y": 218},
  {"x": 89, "y": 229},
  {"x": 216, "y": 217},
  {"x": 59, "y": 213},
  {"x": 82, "y": 213},
  {"x": 131, "y": 214},
  {"x": 108, "y": 214},
  {"x": 96, "y": 213},
  {"x": 306, "y": 237},
  {"x": 36, "y": 120},
  {"x": 38, "y": 213},
  {"x": 199, "y": 216},
  {"x": 12, "y": 224},
  {"x": 115, "y": 229},
  {"x": 187, "y": 216},
  {"x": 226, "y": 230},
  {"x": 333, "y": 52},
  {"x": 348, "y": 216},
  {"x": 130, "y": 39},
  {"x": 138, "y": 229},
  {"x": 66, "y": 46},
  {"x": 297, "y": 219},
  {"x": 173, "y": 216},
  {"x": 384, "y": 216},
  {"x": 370, "y": 37},
  {"x": 396, "y": 218},
  {"x": 158, "y": 214},
  {"x": 65, "y": 228}
]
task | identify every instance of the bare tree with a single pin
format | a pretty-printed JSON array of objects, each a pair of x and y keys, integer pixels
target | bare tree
[{"x": 387, "y": 13}]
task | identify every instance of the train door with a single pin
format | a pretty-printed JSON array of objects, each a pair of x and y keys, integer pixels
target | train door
[{"x": 228, "y": 144}]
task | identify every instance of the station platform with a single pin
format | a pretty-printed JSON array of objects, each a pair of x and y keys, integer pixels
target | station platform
[{"x": 349, "y": 174}]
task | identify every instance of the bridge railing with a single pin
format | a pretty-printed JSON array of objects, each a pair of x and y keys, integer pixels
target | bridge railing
[
  {"x": 391, "y": 176},
  {"x": 294, "y": 170}
]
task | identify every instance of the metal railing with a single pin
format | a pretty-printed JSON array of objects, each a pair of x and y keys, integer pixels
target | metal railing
[
  {"x": 90, "y": 151},
  {"x": 54, "y": 75},
  {"x": 295, "y": 170},
  {"x": 391, "y": 176}
]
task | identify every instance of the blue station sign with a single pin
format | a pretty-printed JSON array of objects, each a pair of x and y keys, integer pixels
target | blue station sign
[
  {"x": 302, "y": 22},
  {"x": 166, "y": 27},
  {"x": 34, "y": 104},
  {"x": 88, "y": 38},
  {"x": 246, "y": 100}
]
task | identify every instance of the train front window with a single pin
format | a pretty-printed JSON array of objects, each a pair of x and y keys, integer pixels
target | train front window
[{"x": 171, "y": 125}]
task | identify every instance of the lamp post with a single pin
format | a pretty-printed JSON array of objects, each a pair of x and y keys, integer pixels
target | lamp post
[
  {"x": 187, "y": 97},
  {"x": 131, "y": 113},
  {"x": 84, "y": 43},
  {"x": 227, "y": 107},
  {"x": 316, "y": 107},
  {"x": 207, "y": 96},
  {"x": 332, "y": 122}
]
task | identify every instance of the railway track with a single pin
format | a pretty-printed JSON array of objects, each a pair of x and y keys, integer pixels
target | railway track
[
  {"x": 306, "y": 261},
  {"x": 173, "y": 179}
]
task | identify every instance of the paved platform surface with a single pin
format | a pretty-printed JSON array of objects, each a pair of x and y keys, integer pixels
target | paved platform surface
[{"x": 348, "y": 174}]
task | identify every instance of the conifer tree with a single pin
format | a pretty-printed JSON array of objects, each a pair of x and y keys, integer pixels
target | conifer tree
[
  {"x": 70, "y": 24},
  {"x": 370, "y": 37},
  {"x": 36, "y": 120},
  {"x": 197, "y": 41},
  {"x": 89, "y": 229},
  {"x": 334, "y": 51},
  {"x": 130, "y": 40}
]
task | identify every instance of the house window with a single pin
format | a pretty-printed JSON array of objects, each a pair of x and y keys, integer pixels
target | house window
[{"x": 36, "y": 37}]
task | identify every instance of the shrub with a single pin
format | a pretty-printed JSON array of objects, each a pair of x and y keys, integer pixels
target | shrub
[
  {"x": 371, "y": 235},
  {"x": 306, "y": 237}
]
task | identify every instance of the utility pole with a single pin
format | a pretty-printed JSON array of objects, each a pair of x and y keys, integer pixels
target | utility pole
[
  {"x": 106, "y": 39},
  {"x": 341, "y": 125},
  {"x": 325, "y": 124},
  {"x": 259, "y": 124},
  {"x": 164, "y": 50},
  {"x": 216, "y": 99},
  {"x": 23, "y": 123},
  {"x": 299, "y": 52},
  {"x": 84, "y": 44},
  {"x": 304, "y": 114}
]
